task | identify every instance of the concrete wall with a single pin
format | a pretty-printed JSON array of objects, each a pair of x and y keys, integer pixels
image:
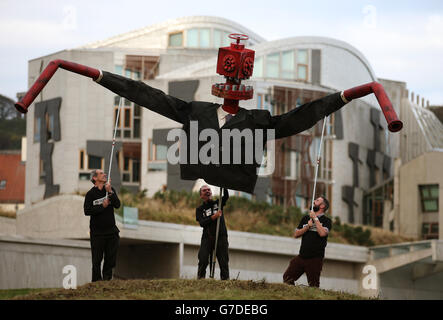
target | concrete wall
[
  {"x": 37, "y": 263},
  {"x": 58, "y": 217},
  {"x": 8, "y": 226},
  {"x": 404, "y": 283},
  {"x": 425, "y": 169},
  {"x": 140, "y": 260}
]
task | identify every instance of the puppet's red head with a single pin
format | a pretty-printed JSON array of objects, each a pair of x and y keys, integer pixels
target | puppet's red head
[{"x": 235, "y": 63}]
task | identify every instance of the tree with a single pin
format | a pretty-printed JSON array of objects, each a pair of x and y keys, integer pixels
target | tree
[{"x": 7, "y": 109}]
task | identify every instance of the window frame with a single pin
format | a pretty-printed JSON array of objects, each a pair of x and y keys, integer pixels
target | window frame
[
  {"x": 423, "y": 199},
  {"x": 175, "y": 33},
  {"x": 101, "y": 162},
  {"x": 429, "y": 234}
]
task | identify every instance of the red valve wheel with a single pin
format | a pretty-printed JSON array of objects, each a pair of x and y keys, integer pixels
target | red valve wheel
[{"x": 238, "y": 37}]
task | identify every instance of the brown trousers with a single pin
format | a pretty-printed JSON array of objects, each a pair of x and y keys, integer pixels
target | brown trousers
[{"x": 298, "y": 266}]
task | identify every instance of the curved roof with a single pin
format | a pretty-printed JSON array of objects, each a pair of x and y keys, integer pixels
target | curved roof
[
  {"x": 310, "y": 42},
  {"x": 182, "y": 23}
]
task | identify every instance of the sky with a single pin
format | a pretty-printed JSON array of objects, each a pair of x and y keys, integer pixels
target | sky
[{"x": 402, "y": 40}]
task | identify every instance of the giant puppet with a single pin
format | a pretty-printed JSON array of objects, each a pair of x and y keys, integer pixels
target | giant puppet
[{"x": 235, "y": 63}]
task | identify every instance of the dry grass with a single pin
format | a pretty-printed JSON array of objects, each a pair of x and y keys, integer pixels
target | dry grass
[
  {"x": 381, "y": 237},
  {"x": 183, "y": 289},
  {"x": 8, "y": 214}
]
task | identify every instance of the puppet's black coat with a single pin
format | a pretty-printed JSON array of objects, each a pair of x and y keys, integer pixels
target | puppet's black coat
[{"x": 242, "y": 176}]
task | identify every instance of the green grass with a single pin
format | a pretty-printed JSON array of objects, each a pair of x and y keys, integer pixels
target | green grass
[
  {"x": 12, "y": 293},
  {"x": 185, "y": 289}
]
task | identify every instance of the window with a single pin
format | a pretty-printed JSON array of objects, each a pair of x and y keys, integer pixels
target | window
[
  {"x": 302, "y": 65},
  {"x": 95, "y": 162},
  {"x": 429, "y": 197},
  {"x": 292, "y": 164},
  {"x": 218, "y": 40},
  {"x": 287, "y": 65},
  {"x": 272, "y": 65},
  {"x": 135, "y": 170},
  {"x": 430, "y": 230},
  {"x": 82, "y": 159},
  {"x": 2, "y": 184},
  {"x": 137, "y": 111},
  {"x": 205, "y": 38},
  {"x": 136, "y": 128},
  {"x": 258, "y": 67},
  {"x": 49, "y": 119},
  {"x": 37, "y": 126},
  {"x": 128, "y": 73},
  {"x": 129, "y": 122},
  {"x": 84, "y": 176},
  {"x": 127, "y": 118},
  {"x": 126, "y": 164},
  {"x": 192, "y": 38},
  {"x": 198, "y": 38},
  {"x": 161, "y": 153},
  {"x": 157, "y": 155},
  {"x": 118, "y": 69},
  {"x": 176, "y": 39}
]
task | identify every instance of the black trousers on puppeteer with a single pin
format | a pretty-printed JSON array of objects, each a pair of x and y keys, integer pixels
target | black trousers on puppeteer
[
  {"x": 298, "y": 265},
  {"x": 206, "y": 251},
  {"x": 104, "y": 246}
]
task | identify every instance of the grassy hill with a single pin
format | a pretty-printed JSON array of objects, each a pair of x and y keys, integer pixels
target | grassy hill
[{"x": 183, "y": 289}]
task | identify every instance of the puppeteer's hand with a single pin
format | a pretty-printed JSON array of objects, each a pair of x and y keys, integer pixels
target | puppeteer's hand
[
  {"x": 312, "y": 214},
  {"x": 216, "y": 215},
  {"x": 310, "y": 223},
  {"x": 106, "y": 202}
]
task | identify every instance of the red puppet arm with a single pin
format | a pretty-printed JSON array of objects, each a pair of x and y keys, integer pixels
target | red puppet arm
[
  {"x": 394, "y": 124},
  {"x": 47, "y": 74}
]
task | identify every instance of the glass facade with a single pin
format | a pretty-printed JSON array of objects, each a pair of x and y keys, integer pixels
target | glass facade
[
  {"x": 288, "y": 65},
  {"x": 272, "y": 65},
  {"x": 176, "y": 39},
  {"x": 200, "y": 38},
  {"x": 429, "y": 197}
]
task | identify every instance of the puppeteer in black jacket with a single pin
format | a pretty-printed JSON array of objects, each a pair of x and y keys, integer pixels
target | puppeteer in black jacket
[
  {"x": 102, "y": 219},
  {"x": 203, "y": 216},
  {"x": 241, "y": 176}
]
